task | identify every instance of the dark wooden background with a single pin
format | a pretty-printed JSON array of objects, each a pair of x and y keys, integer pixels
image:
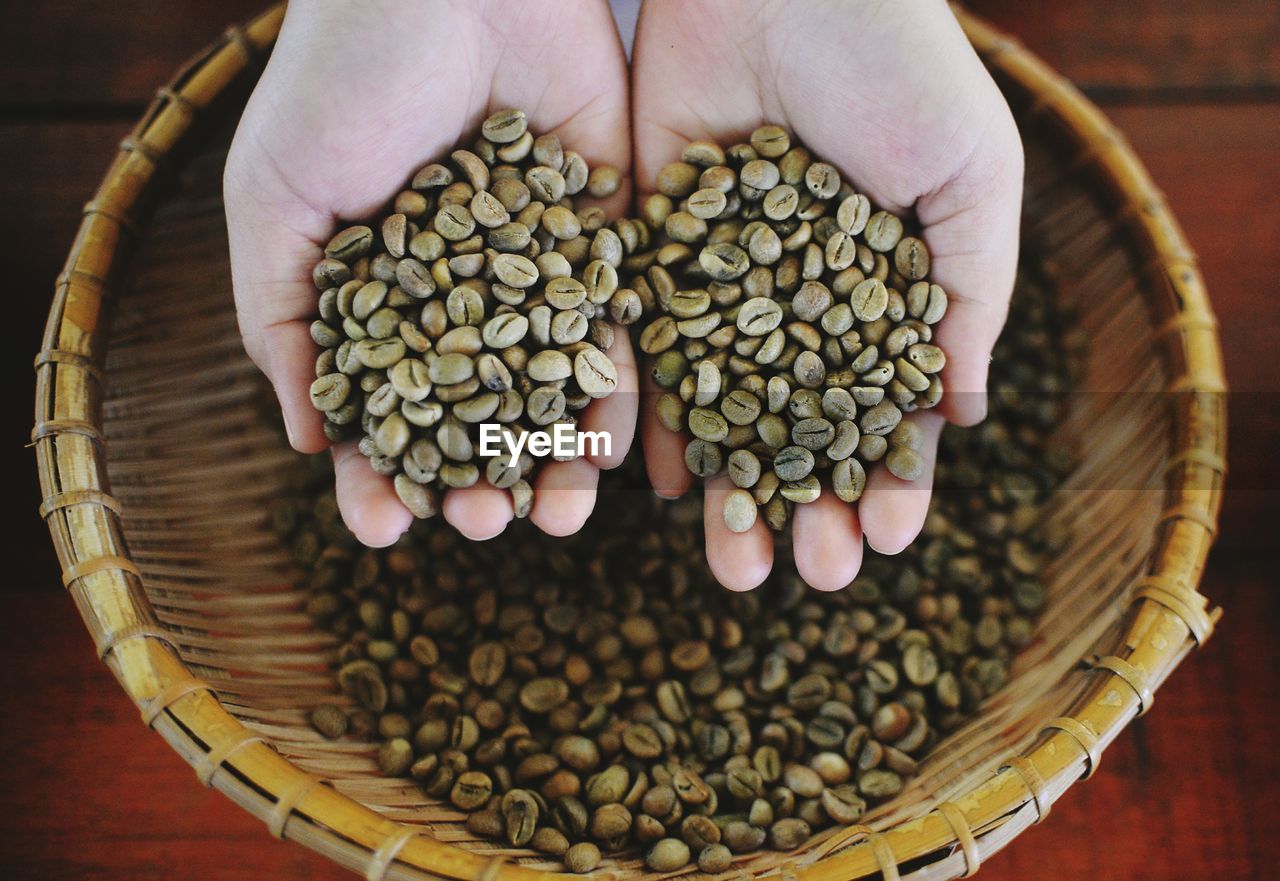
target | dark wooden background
[{"x": 1191, "y": 791}]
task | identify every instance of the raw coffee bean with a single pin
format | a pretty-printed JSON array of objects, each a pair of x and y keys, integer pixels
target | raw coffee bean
[
  {"x": 758, "y": 316},
  {"x": 582, "y": 858},
  {"x": 853, "y": 214},
  {"x": 678, "y": 179},
  {"x": 744, "y": 470},
  {"x": 780, "y": 202},
  {"x": 788, "y": 834},
  {"x": 561, "y": 223},
  {"x": 848, "y": 480},
  {"x": 707, "y": 203},
  {"x": 642, "y": 741},
  {"x": 879, "y": 784},
  {"x": 760, "y": 174},
  {"x": 883, "y": 231},
  {"x": 603, "y": 181},
  {"x": 793, "y": 463},
  {"x": 843, "y": 804},
  {"x": 568, "y": 326},
  {"x": 668, "y": 855},
  {"x": 471, "y": 790},
  {"x": 505, "y": 126},
  {"x": 454, "y": 223},
  {"x": 822, "y": 180},
  {"x": 715, "y": 859},
  {"x": 350, "y": 245},
  {"x": 544, "y": 694},
  {"x": 487, "y": 663},
  {"x": 550, "y": 365},
  {"x": 328, "y": 393},
  {"x": 724, "y": 261},
  {"x": 740, "y": 407},
  {"x": 739, "y": 510},
  {"x": 920, "y": 665},
  {"x": 551, "y": 841},
  {"x": 330, "y": 720},
  {"x": 770, "y": 141},
  {"x": 520, "y": 812},
  {"x": 813, "y": 434},
  {"x": 927, "y": 358},
  {"x": 421, "y": 501},
  {"x": 595, "y": 373},
  {"x": 869, "y": 300},
  {"x": 741, "y": 837},
  {"x": 773, "y": 431},
  {"x": 911, "y": 258},
  {"x": 515, "y": 270},
  {"x": 905, "y": 463},
  {"x": 610, "y": 824},
  {"x": 707, "y": 425}
]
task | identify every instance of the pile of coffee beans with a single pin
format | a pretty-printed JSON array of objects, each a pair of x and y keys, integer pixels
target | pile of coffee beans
[
  {"x": 793, "y": 328},
  {"x": 483, "y": 298},
  {"x": 601, "y": 693}
]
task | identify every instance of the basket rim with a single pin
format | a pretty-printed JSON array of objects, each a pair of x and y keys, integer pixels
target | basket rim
[{"x": 1167, "y": 617}]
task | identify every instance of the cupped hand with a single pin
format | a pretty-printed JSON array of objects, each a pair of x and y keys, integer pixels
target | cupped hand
[
  {"x": 359, "y": 95},
  {"x": 892, "y": 94}
]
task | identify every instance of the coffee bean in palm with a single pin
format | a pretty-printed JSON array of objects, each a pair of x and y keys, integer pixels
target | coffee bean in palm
[
  {"x": 430, "y": 298},
  {"x": 783, "y": 308},
  {"x": 905, "y": 463},
  {"x": 595, "y": 373},
  {"x": 739, "y": 510}
]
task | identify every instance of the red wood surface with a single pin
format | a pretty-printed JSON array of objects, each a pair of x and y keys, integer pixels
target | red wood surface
[
  {"x": 1188, "y": 792},
  {"x": 1151, "y": 47},
  {"x": 86, "y": 55}
]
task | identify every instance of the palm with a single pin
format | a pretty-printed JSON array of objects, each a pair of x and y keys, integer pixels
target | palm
[
  {"x": 356, "y": 98},
  {"x": 878, "y": 92}
]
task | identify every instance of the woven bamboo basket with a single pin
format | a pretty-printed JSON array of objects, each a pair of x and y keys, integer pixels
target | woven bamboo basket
[{"x": 160, "y": 524}]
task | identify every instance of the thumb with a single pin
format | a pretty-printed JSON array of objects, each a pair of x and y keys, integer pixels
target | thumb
[
  {"x": 971, "y": 226},
  {"x": 274, "y": 240}
]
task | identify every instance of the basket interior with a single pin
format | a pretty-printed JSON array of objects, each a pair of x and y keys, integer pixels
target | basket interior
[{"x": 195, "y": 500}]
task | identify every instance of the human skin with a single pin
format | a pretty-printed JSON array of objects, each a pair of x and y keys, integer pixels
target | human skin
[
  {"x": 359, "y": 95},
  {"x": 356, "y": 97},
  {"x": 891, "y": 93}
]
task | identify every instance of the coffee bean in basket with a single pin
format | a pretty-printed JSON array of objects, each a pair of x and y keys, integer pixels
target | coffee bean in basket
[
  {"x": 793, "y": 321},
  {"x": 486, "y": 297},
  {"x": 600, "y": 694}
]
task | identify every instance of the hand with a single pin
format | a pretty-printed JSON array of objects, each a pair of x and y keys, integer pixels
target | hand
[
  {"x": 358, "y": 96},
  {"x": 891, "y": 94}
]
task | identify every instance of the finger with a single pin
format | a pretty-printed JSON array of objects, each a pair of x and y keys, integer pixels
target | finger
[
  {"x": 739, "y": 560},
  {"x": 274, "y": 244},
  {"x": 587, "y": 103},
  {"x": 828, "y": 542},
  {"x": 367, "y": 500},
  {"x": 615, "y": 415},
  {"x": 971, "y": 228},
  {"x": 287, "y": 355},
  {"x": 663, "y": 449},
  {"x": 480, "y": 511},
  {"x": 678, "y": 44},
  {"x": 564, "y": 495},
  {"x": 891, "y": 510}
]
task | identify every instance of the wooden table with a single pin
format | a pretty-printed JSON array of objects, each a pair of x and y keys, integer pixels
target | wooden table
[{"x": 1192, "y": 791}]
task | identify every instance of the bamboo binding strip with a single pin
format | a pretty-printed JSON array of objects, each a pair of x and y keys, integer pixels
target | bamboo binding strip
[{"x": 206, "y": 638}]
